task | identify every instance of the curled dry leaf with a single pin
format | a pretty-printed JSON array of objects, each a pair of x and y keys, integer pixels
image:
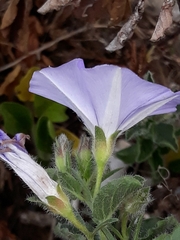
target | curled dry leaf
[
  {"x": 51, "y": 5},
  {"x": 127, "y": 30},
  {"x": 10, "y": 14},
  {"x": 164, "y": 21},
  {"x": 11, "y": 77}
]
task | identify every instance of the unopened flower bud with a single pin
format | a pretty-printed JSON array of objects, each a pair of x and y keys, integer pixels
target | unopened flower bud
[{"x": 62, "y": 151}]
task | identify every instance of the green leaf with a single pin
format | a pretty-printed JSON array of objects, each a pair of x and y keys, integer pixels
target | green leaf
[
  {"x": 136, "y": 131},
  {"x": 85, "y": 189},
  {"x": 146, "y": 150},
  {"x": 71, "y": 185},
  {"x": 17, "y": 118},
  {"x": 110, "y": 173},
  {"x": 138, "y": 152},
  {"x": 114, "y": 193},
  {"x": 105, "y": 223},
  {"x": 74, "y": 185},
  {"x": 136, "y": 203},
  {"x": 163, "y": 237},
  {"x": 164, "y": 135},
  {"x": 163, "y": 226},
  {"x": 148, "y": 224},
  {"x": 50, "y": 109},
  {"x": 108, "y": 234},
  {"x": 64, "y": 233},
  {"x": 44, "y": 135},
  {"x": 130, "y": 154},
  {"x": 175, "y": 235},
  {"x": 156, "y": 160}
]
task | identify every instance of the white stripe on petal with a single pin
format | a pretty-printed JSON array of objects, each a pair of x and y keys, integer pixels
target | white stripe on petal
[{"x": 112, "y": 111}]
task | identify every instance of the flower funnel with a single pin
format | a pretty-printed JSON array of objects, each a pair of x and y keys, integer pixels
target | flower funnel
[{"x": 107, "y": 96}]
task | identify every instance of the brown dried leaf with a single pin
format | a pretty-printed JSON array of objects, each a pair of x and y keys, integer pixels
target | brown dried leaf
[
  {"x": 11, "y": 77},
  {"x": 118, "y": 10},
  {"x": 51, "y": 5},
  {"x": 164, "y": 20},
  {"x": 10, "y": 14},
  {"x": 47, "y": 61},
  {"x": 127, "y": 30},
  {"x": 14, "y": 26},
  {"x": 23, "y": 33}
]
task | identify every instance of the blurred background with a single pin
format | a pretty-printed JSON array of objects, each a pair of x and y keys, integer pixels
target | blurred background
[{"x": 144, "y": 37}]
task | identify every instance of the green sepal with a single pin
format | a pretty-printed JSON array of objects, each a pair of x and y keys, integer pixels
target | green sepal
[{"x": 100, "y": 147}]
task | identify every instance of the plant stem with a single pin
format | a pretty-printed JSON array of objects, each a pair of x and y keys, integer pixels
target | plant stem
[
  {"x": 80, "y": 226},
  {"x": 136, "y": 235},
  {"x": 100, "y": 171},
  {"x": 124, "y": 222}
]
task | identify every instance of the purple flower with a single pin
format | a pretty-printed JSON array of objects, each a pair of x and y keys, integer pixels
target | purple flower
[
  {"x": 13, "y": 153},
  {"x": 106, "y": 96}
]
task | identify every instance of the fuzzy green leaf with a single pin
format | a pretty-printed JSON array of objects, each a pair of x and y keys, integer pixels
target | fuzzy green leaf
[
  {"x": 70, "y": 185},
  {"x": 163, "y": 226},
  {"x": 114, "y": 193},
  {"x": 105, "y": 223},
  {"x": 175, "y": 235},
  {"x": 64, "y": 233}
]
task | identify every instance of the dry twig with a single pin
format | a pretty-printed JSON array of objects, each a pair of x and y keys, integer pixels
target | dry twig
[{"x": 42, "y": 48}]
